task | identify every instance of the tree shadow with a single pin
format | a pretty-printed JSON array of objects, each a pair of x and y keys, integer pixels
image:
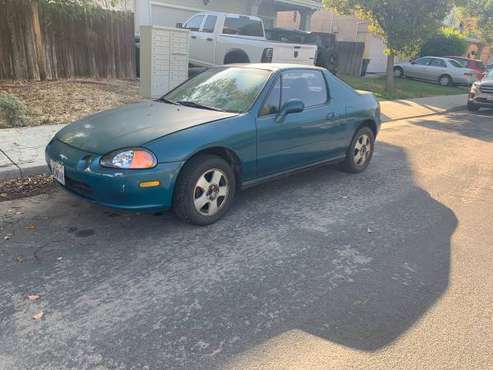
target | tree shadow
[
  {"x": 464, "y": 123},
  {"x": 353, "y": 259}
]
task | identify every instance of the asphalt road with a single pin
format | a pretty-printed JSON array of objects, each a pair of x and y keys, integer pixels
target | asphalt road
[{"x": 390, "y": 268}]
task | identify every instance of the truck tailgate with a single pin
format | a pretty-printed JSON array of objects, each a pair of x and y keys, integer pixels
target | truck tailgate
[{"x": 292, "y": 53}]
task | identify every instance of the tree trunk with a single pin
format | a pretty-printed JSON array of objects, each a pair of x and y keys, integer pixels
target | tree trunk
[
  {"x": 390, "y": 73},
  {"x": 38, "y": 40}
]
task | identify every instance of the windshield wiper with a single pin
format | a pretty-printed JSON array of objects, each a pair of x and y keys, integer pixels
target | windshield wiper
[
  {"x": 193, "y": 104},
  {"x": 164, "y": 100}
]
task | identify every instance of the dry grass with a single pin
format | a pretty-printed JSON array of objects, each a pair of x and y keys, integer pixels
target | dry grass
[{"x": 63, "y": 101}]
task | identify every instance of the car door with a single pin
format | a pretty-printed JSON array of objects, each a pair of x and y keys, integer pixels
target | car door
[
  {"x": 194, "y": 24},
  {"x": 301, "y": 138},
  {"x": 417, "y": 69},
  {"x": 205, "y": 41},
  {"x": 435, "y": 69}
]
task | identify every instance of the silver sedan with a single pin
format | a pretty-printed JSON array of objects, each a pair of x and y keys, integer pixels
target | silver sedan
[{"x": 447, "y": 72}]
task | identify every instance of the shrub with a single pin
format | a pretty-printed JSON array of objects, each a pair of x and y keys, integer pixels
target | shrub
[
  {"x": 449, "y": 42},
  {"x": 12, "y": 110}
]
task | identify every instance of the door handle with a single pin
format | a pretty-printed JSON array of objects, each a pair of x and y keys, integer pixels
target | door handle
[
  {"x": 209, "y": 39},
  {"x": 194, "y": 37},
  {"x": 331, "y": 116}
]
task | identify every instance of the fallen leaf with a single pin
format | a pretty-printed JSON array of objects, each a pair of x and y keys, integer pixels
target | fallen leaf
[
  {"x": 370, "y": 231},
  {"x": 19, "y": 259},
  {"x": 33, "y": 297},
  {"x": 59, "y": 258},
  {"x": 30, "y": 227},
  {"x": 6, "y": 237},
  {"x": 4, "y": 195},
  {"x": 38, "y": 316}
]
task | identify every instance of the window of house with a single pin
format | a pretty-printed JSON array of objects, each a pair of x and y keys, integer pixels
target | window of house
[
  {"x": 194, "y": 23},
  {"x": 308, "y": 86},
  {"x": 209, "y": 24}
]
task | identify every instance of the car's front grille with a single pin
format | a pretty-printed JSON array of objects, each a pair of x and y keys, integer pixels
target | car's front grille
[
  {"x": 486, "y": 89},
  {"x": 79, "y": 187}
]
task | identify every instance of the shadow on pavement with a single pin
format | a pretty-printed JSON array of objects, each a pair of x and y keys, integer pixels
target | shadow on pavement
[
  {"x": 353, "y": 259},
  {"x": 465, "y": 123}
]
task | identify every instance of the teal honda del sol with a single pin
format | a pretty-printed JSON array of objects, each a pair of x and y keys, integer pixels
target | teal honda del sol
[{"x": 225, "y": 129}]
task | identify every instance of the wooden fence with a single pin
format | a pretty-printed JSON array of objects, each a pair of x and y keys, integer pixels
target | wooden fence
[
  {"x": 350, "y": 57},
  {"x": 41, "y": 40}
]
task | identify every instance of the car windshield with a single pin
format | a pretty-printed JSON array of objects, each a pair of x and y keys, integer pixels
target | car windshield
[
  {"x": 489, "y": 76},
  {"x": 456, "y": 63},
  {"x": 225, "y": 89}
]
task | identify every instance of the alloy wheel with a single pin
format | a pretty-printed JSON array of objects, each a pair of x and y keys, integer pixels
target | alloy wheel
[
  {"x": 362, "y": 150},
  {"x": 210, "y": 192}
]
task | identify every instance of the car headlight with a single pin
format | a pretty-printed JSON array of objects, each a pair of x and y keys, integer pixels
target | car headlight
[
  {"x": 475, "y": 88},
  {"x": 135, "y": 158}
]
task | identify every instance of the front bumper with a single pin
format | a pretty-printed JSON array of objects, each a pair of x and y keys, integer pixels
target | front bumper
[
  {"x": 481, "y": 100},
  {"x": 113, "y": 187}
]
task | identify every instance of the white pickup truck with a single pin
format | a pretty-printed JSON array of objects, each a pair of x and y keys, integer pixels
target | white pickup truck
[{"x": 221, "y": 38}]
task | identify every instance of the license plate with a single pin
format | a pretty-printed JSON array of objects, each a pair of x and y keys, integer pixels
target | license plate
[{"x": 58, "y": 171}]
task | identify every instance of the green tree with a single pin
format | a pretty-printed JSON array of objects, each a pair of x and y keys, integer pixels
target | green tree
[
  {"x": 404, "y": 25},
  {"x": 446, "y": 42},
  {"x": 482, "y": 10}
]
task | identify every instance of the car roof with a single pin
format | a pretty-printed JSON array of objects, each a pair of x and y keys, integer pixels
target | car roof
[{"x": 274, "y": 66}]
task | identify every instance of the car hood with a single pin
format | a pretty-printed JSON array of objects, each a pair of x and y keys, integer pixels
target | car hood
[{"x": 133, "y": 125}]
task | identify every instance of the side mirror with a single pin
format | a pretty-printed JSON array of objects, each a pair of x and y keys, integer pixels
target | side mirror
[
  {"x": 291, "y": 106},
  {"x": 179, "y": 25}
]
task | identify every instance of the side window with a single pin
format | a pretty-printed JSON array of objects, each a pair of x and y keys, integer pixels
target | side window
[
  {"x": 209, "y": 24},
  {"x": 194, "y": 23},
  {"x": 271, "y": 105},
  {"x": 243, "y": 26},
  {"x": 423, "y": 61},
  {"x": 438, "y": 63},
  {"x": 308, "y": 86}
]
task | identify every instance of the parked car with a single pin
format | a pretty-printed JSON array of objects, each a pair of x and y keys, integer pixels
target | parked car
[
  {"x": 481, "y": 95},
  {"x": 445, "y": 71},
  {"x": 474, "y": 64},
  {"x": 225, "y": 129},
  {"x": 327, "y": 56},
  {"x": 221, "y": 38}
]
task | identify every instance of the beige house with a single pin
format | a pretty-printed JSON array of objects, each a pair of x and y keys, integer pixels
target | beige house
[
  {"x": 346, "y": 28},
  {"x": 170, "y": 12}
]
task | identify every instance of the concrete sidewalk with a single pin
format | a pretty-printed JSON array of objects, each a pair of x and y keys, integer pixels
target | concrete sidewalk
[{"x": 25, "y": 146}]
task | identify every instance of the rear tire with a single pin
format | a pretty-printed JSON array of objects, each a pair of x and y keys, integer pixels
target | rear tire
[
  {"x": 445, "y": 80},
  {"x": 204, "y": 191},
  {"x": 472, "y": 107},
  {"x": 360, "y": 152}
]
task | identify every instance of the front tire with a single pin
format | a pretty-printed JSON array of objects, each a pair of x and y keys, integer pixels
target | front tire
[
  {"x": 398, "y": 72},
  {"x": 204, "y": 191},
  {"x": 360, "y": 152}
]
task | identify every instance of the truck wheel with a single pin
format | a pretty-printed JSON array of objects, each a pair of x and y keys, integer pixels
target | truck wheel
[
  {"x": 236, "y": 56},
  {"x": 327, "y": 59}
]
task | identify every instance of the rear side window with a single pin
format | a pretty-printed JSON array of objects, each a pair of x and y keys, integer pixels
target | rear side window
[
  {"x": 437, "y": 63},
  {"x": 455, "y": 63},
  {"x": 243, "y": 26},
  {"x": 209, "y": 24},
  {"x": 194, "y": 23},
  {"x": 308, "y": 86}
]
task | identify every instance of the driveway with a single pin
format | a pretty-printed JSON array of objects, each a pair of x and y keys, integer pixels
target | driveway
[{"x": 389, "y": 268}]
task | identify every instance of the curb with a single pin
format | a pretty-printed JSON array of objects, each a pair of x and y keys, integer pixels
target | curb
[{"x": 13, "y": 173}]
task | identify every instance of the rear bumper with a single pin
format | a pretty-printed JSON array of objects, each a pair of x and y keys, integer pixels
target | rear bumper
[{"x": 113, "y": 187}]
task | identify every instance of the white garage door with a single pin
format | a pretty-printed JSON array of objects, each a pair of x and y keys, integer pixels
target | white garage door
[{"x": 169, "y": 17}]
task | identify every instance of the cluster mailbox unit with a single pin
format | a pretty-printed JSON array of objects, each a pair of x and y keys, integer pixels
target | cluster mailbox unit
[{"x": 164, "y": 58}]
